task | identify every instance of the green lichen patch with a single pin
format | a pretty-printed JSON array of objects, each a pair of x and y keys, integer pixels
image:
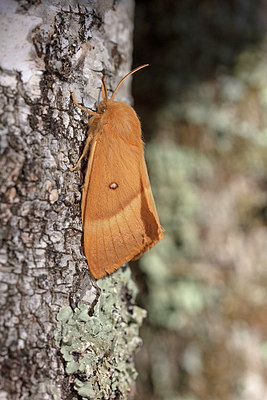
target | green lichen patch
[
  {"x": 206, "y": 280},
  {"x": 98, "y": 349}
]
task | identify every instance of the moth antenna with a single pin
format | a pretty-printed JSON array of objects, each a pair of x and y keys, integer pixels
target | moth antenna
[
  {"x": 104, "y": 90},
  {"x": 82, "y": 108},
  {"x": 126, "y": 76}
]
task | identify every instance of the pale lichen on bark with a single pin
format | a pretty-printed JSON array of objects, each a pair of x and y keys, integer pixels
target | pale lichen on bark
[
  {"x": 98, "y": 343},
  {"x": 51, "y": 49}
]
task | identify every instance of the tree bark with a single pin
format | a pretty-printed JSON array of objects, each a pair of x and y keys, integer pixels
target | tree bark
[{"x": 63, "y": 335}]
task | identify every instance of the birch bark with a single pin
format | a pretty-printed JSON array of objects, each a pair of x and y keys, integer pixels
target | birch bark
[{"x": 62, "y": 335}]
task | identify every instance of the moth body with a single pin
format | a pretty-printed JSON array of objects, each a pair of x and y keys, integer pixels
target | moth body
[
  {"x": 120, "y": 221},
  {"x": 121, "y": 119}
]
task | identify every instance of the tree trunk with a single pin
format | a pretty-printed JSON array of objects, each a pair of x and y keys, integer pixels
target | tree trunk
[{"x": 63, "y": 334}]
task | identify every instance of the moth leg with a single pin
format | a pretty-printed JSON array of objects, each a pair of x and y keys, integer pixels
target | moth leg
[
  {"x": 85, "y": 150},
  {"x": 82, "y": 108}
]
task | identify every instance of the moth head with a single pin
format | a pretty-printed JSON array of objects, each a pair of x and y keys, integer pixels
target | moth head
[
  {"x": 106, "y": 101},
  {"x": 103, "y": 105}
]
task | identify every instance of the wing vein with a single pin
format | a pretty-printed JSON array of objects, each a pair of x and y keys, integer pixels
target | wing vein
[
  {"x": 96, "y": 247},
  {"x": 123, "y": 210},
  {"x": 122, "y": 235},
  {"x": 109, "y": 225},
  {"x": 115, "y": 249},
  {"x": 104, "y": 245},
  {"x": 136, "y": 219}
]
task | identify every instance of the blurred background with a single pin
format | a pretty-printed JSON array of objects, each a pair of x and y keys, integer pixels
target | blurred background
[{"x": 203, "y": 107}]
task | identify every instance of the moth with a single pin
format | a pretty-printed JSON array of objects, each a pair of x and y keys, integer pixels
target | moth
[{"x": 119, "y": 216}]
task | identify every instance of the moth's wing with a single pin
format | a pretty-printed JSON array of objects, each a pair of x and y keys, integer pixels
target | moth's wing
[
  {"x": 154, "y": 230},
  {"x": 120, "y": 221}
]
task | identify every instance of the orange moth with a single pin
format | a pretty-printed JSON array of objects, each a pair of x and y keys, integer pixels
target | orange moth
[{"x": 119, "y": 217}]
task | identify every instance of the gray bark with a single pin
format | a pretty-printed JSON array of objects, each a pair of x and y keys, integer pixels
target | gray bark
[{"x": 62, "y": 334}]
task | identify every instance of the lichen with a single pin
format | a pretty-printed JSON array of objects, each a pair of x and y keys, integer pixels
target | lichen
[
  {"x": 98, "y": 348},
  {"x": 208, "y": 172}
]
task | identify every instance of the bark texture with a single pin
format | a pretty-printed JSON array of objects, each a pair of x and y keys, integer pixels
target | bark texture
[{"x": 51, "y": 49}]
